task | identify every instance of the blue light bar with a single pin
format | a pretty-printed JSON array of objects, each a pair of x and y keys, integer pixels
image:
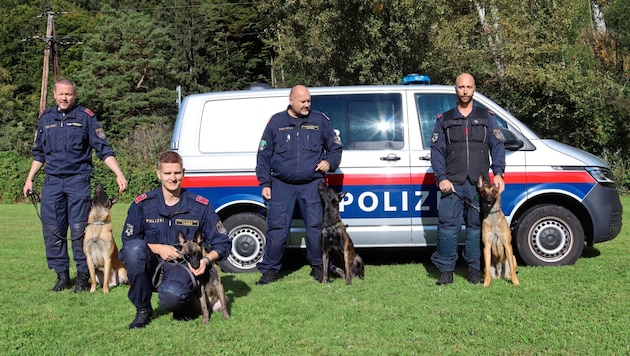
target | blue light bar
[{"x": 415, "y": 78}]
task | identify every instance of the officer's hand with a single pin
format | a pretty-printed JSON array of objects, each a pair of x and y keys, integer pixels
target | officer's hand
[
  {"x": 28, "y": 188},
  {"x": 446, "y": 186},
  {"x": 498, "y": 181},
  {"x": 166, "y": 252},
  {"x": 266, "y": 193},
  {"x": 122, "y": 184},
  {"x": 203, "y": 265},
  {"x": 323, "y": 166}
]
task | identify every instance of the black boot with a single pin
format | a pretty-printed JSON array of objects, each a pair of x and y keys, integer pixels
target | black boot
[
  {"x": 63, "y": 281},
  {"x": 142, "y": 319},
  {"x": 83, "y": 282}
]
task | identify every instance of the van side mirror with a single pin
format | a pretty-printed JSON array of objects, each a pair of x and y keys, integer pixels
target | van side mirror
[{"x": 511, "y": 141}]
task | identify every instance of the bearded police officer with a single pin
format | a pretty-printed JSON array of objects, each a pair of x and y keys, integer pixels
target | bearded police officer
[
  {"x": 463, "y": 140},
  {"x": 66, "y": 136},
  {"x": 297, "y": 148}
]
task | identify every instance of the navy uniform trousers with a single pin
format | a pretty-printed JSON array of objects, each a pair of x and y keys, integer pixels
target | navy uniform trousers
[
  {"x": 451, "y": 212},
  {"x": 280, "y": 208},
  {"x": 65, "y": 202},
  {"x": 176, "y": 284}
]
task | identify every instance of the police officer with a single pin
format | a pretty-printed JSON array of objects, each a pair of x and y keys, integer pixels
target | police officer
[
  {"x": 150, "y": 243},
  {"x": 462, "y": 140},
  {"x": 65, "y": 137},
  {"x": 297, "y": 148}
]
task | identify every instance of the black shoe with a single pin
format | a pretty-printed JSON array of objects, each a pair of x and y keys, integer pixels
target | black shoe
[
  {"x": 474, "y": 276},
  {"x": 143, "y": 318},
  {"x": 267, "y": 277},
  {"x": 316, "y": 272},
  {"x": 445, "y": 278},
  {"x": 63, "y": 281},
  {"x": 83, "y": 282}
]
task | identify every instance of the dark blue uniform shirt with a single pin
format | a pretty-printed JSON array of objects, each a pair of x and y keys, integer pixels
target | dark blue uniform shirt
[
  {"x": 291, "y": 148},
  {"x": 148, "y": 218},
  {"x": 64, "y": 142}
]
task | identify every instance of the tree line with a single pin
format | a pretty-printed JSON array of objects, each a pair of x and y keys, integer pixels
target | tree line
[{"x": 560, "y": 66}]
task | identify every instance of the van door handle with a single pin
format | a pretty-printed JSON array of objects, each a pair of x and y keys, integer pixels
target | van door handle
[
  {"x": 390, "y": 157},
  {"x": 426, "y": 158}
]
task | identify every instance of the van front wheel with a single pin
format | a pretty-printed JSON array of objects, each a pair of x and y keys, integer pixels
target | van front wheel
[
  {"x": 247, "y": 232},
  {"x": 549, "y": 235}
]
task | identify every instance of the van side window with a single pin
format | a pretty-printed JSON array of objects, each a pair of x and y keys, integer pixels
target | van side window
[
  {"x": 364, "y": 121},
  {"x": 429, "y": 106}
]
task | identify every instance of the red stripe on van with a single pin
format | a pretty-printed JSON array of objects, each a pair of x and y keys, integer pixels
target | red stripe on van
[{"x": 393, "y": 179}]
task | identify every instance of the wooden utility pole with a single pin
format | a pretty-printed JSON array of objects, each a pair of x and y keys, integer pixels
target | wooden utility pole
[{"x": 49, "y": 41}]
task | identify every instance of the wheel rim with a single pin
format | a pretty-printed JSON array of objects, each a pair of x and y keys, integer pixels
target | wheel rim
[
  {"x": 550, "y": 239},
  {"x": 247, "y": 246}
]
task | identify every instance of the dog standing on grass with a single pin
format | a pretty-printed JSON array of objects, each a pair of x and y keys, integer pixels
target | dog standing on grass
[
  {"x": 336, "y": 243},
  {"x": 499, "y": 260},
  {"x": 99, "y": 246},
  {"x": 212, "y": 296}
]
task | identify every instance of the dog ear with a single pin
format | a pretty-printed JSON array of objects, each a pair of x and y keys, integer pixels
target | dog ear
[
  {"x": 480, "y": 181},
  {"x": 197, "y": 237},
  {"x": 113, "y": 201},
  {"x": 341, "y": 195},
  {"x": 181, "y": 239}
]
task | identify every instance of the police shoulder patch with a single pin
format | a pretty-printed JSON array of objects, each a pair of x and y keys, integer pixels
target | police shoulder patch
[
  {"x": 221, "y": 228},
  {"x": 202, "y": 200},
  {"x": 435, "y": 137},
  {"x": 89, "y": 112},
  {"x": 498, "y": 134},
  {"x": 140, "y": 198},
  {"x": 100, "y": 133}
]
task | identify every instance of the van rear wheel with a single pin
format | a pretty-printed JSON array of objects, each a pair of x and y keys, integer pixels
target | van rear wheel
[
  {"x": 247, "y": 232},
  {"x": 549, "y": 235}
]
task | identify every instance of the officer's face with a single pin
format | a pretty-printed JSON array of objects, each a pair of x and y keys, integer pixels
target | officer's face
[
  {"x": 465, "y": 88},
  {"x": 171, "y": 175},
  {"x": 300, "y": 101},
  {"x": 64, "y": 96}
]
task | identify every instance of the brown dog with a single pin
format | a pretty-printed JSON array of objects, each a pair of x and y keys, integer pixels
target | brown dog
[
  {"x": 336, "y": 243},
  {"x": 99, "y": 246},
  {"x": 499, "y": 260},
  {"x": 211, "y": 295}
]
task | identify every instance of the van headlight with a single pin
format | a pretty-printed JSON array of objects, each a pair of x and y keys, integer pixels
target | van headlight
[{"x": 602, "y": 175}]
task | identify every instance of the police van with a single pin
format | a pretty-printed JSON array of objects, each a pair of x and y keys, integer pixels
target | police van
[{"x": 557, "y": 197}]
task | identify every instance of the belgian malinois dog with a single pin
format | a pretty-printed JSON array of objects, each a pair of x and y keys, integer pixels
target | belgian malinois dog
[
  {"x": 99, "y": 246},
  {"x": 499, "y": 260},
  {"x": 212, "y": 296},
  {"x": 336, "y": 243}
]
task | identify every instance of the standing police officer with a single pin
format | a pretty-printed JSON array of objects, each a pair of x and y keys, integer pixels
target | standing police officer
[
  {"x": 150, "y": 243},
  {"x": 65, "y": 137},
  {"x": 296, "y": 150},
  {"x": 462, "y": 139}
]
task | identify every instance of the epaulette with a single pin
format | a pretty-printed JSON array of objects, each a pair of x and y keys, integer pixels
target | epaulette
[
  {"x": 140, "y": 198},
  {"x": 89, "y": 112},
  {"x": 440, "y": 116},
  {"x": 202, "y": 200},
  {"x": 491, "y": 112},
  {"x": 326, "y": 117}
]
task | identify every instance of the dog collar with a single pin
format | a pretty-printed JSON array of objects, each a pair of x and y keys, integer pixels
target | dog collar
[{"x": 99, "y": 222}]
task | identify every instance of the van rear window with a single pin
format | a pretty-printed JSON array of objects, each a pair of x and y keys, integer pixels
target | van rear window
[{"x": 364, "y": 121}]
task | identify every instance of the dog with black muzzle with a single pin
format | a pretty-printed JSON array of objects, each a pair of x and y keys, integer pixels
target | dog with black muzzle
[
  {"x": 337, "y": 245},
  {"x": 499, "y": 259},
  {"x": 100, "y": 249},
  {"x": 211, "y": 294}
]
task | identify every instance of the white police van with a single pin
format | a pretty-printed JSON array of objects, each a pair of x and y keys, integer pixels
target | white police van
[{"x": 557, "y": 197}]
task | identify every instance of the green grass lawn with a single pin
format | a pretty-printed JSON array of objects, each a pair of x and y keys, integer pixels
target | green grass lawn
[{"x": 582, "y": 309}]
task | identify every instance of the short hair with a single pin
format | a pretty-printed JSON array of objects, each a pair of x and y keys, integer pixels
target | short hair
[
  {"x": 170, "y": 157},
  {"x": 66, "y": 81}
]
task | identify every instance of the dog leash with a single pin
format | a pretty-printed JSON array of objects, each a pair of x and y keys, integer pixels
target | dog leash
[
  {"x": 466, "y": 201},
  {"x": 35, "y": 198}
]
